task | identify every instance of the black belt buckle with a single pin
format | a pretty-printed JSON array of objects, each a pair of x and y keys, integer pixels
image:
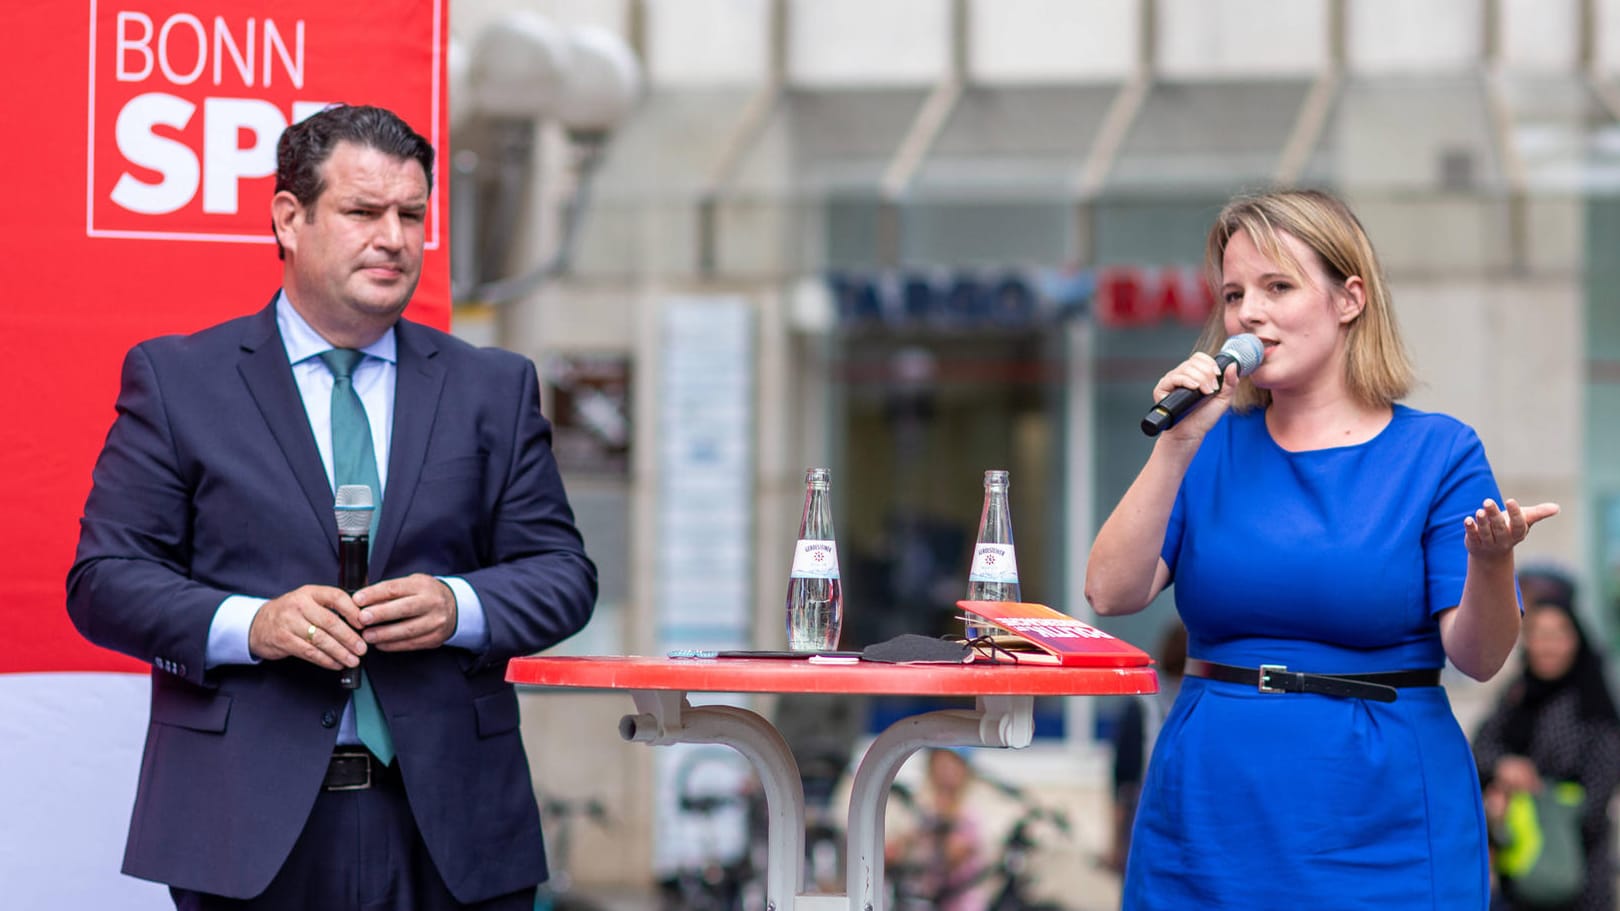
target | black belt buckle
[
  {"x": 1266, "y": 670},
  {"x": 348, "y": 771}
]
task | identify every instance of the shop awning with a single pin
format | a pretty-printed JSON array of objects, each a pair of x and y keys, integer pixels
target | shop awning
[
  {"x": 789, "y": 181},
  {"x": 643, "y": 200},
  {"x": 1023, "y": 144},
  {"x": 1564, "y": 132},
  {"x": 1200, "y": 137}
]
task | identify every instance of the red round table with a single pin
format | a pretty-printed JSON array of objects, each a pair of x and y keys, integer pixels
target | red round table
[
  {"x": 1004, "y": 716},
  {"x": 789, "y": 675}
]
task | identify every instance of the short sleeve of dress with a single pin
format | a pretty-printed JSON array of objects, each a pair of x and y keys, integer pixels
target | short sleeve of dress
[
  {"x": 1464, "y": 484},
  {"x": 1197, "y": 479},
  {"x": 1172, "y": 533}
]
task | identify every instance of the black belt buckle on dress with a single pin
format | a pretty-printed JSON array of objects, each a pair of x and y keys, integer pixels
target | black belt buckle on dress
[
  {"x": 1266, "y": 670},
  {"x": 348, "y": 770},
  {"x": 1277, "y": 678}
]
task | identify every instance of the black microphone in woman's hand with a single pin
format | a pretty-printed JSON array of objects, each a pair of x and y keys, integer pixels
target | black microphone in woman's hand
[{"x": 1243, "y": 350}]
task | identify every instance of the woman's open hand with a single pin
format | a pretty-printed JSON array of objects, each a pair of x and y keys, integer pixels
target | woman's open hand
[{"x": 1493, "y": 531}]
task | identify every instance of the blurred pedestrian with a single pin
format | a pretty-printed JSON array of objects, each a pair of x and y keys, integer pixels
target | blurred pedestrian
[
  {"x": 1556, "y": 723},
  {"x": 938, "y": 849}
]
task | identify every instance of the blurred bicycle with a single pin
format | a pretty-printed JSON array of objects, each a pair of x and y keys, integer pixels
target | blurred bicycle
[
  {"x": 724, "y": 871},
  {"x": 1013, "y": 867},
  {"x": 560, "y": 814}
]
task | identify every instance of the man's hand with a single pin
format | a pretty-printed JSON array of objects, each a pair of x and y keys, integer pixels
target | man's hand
[
  {"x": 409, "y": 614},
  {"x": 313, "y": 623}
]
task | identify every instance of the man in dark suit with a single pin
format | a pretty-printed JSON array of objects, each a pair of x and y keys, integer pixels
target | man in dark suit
[{"x": 209, "y": 548}]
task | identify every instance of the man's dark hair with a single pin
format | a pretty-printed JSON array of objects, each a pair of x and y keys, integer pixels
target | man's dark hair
[{"x": 306, "y": 145}]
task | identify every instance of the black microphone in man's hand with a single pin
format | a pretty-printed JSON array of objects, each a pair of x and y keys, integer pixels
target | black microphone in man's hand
[
  {"x": 353, "y": 508},
  {"x": 1244, "y": 350}
]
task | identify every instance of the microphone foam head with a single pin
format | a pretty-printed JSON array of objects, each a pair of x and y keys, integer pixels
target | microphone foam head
[
  {"x": 353, "y": 508},
  {"x": 1247, "y": 350}
]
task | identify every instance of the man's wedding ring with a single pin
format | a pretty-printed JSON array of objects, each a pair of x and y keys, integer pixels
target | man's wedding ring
[{"x": 310, "y": 634}]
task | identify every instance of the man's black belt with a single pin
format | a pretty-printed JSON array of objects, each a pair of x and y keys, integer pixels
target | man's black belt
[
  {"x": 1276, "y": 678},
  {"x": 355, "y": 769}
]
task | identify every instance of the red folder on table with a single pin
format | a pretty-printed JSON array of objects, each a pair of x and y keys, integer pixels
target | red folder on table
[{"x": 1037, "y": 634}]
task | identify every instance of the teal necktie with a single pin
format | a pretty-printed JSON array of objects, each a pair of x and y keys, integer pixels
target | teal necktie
[{"x": 354, "y": 461}]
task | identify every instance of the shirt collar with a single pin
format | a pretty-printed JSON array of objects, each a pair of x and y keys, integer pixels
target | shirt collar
[{"x": 303, "y": 342}]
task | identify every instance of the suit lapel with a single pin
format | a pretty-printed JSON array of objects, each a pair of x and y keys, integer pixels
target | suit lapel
[
  {"x": 269, "y": 380},
  {"x": 418, "y": 383}
]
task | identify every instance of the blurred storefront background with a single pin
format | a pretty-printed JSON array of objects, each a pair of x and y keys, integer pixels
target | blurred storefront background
[{"x": 912, "y": 240}]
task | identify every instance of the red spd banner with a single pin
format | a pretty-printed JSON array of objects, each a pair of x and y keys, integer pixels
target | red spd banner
[
  {"x": 185, "y": 108},
  {"x": 141, "y": 151}
]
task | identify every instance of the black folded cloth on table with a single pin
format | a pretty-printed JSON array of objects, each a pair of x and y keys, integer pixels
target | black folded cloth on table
[{"x": 912, "y": 648}]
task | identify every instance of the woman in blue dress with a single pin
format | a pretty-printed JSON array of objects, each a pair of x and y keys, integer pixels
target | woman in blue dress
[{"x": 1330, "y": 550}]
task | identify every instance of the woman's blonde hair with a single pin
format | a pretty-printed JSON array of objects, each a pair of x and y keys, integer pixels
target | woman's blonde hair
[{"x": 1377, "y": 370}]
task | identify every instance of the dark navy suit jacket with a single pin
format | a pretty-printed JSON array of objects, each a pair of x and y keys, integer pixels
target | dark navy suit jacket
[{"x": 210, "y": 484}]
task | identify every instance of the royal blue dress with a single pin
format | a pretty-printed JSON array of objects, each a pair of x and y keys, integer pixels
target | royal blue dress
[{"x": 1327, "y": 561}]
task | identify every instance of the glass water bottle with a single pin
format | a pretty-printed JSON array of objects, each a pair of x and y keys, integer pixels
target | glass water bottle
[
  {"x": 815, "y": 602},
  {"x": 994, "y": 574}
]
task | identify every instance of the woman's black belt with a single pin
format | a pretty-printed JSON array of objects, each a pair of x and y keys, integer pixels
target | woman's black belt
[{"x": 1277, "y": 678}]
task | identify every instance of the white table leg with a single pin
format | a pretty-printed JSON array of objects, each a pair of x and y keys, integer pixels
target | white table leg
[
  {"x": 998, "y": 721},
  {"x": 666, "y": 718}
]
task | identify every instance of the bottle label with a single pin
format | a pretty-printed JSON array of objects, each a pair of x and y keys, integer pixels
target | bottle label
[
  {"x": 815, "y": 560},
  {"x": 994, "y": 563}
]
